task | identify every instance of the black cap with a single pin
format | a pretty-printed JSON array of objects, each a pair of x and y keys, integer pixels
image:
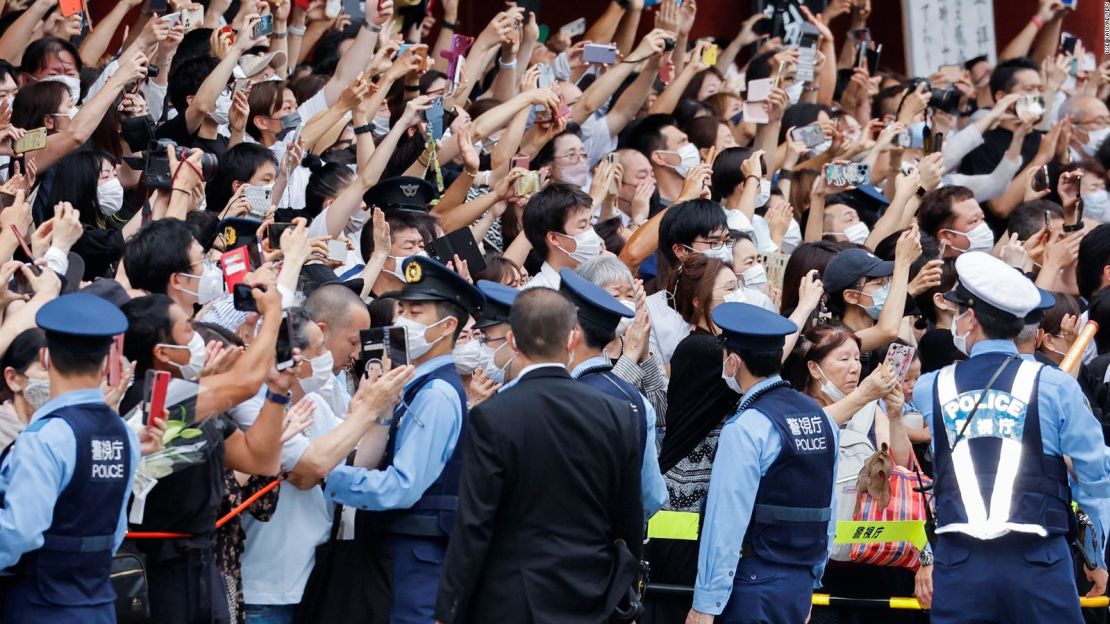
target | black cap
[
  {"x": 108, "y": 289},
  {"x": 404, "y": 193},
  {"x": 238, "y": 231},
  {"x": 595, "y": 305},
  {"x": 499, "y": 300},
  {"x": 849, "y": 265},
  {"x": 428, "y": 280},
  {"x": 867, "y": 200}
]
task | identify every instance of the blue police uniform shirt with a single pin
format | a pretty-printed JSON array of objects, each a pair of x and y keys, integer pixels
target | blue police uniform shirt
[
  {"x": 748, "y": 445},
  {"x": 426, "y": 438},
  {"x": 1067, "y": 428},
  {"x": 651, "y": 479},
  {"x": 43, "y": 461}
]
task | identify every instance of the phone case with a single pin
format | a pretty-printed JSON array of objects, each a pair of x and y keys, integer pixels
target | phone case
[
  {"x": 900, "y": 356},
  {"x": 575, "y": 28},
  {"x": 236, "y": 264},
  {"x": 709, "y": 57},
  {"x": 34, "y": 140},
  {"x": 259, "y": 198},
  {"x": 599, "y": 54},
  {"x": 526, "y": 184},
  {"x": 332, "y": 8},
  {"x": 69, "y": 7},
  {"x": 337, "y": 250}
]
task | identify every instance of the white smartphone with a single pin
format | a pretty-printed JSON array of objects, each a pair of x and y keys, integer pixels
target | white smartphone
[{"x": 259, "y": 198}]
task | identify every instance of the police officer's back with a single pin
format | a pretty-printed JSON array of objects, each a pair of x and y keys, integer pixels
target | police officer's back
[
  {"x": 1002, "y": 496},
  {"x": 66, "y": 479}
]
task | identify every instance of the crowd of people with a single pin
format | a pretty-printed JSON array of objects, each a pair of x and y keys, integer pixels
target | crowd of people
[{"x": 310, "y": 316}]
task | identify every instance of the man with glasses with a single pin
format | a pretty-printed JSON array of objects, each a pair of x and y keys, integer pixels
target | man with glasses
[
  {"x": 1090, "y": 117},
  {"x": 165, "y": 258}
]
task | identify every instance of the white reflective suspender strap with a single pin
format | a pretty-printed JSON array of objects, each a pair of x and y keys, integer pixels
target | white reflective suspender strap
[
  {"x": 962, "y": 466},
  {"x": 1009, "y": 458}
]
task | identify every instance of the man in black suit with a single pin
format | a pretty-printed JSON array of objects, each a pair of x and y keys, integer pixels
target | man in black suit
[{"x": 551, "y": 480}]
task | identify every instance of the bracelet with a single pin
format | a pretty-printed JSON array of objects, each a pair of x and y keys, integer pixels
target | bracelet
[
  {"x": 1037, "y": 22},
  {"x": 277, "y": 399},
  {"x": 450, "y": 25},
  {"x": 297, "y": 32},
  {"x": 279, "y": 35},
  {"x": 757, "y": 178},
  {"x": 374, "y": 28},
  {"x": 180, "y": 191},
  {"x": 784, "y": 174},
  {"x": 470, "y": 173},
  {"x": 504, "y": 65},
  {"x": 368, "y": 128}
]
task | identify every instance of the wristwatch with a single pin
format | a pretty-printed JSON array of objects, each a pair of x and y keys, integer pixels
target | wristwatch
[
  {"x": 921, "y": 192},
  {"x": 384, "y": 421},
  {"x": 925, "y": 557},
  {"x": 278, "y": 399}
]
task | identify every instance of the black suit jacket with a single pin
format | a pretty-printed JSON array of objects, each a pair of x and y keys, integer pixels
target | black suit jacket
[{"x": 551, "y": 478}]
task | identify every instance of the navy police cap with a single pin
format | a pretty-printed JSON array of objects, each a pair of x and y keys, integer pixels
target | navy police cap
[
  {"x": 401, "y": 193},
  {"x": 745, "y": 326},
  {"x": 595, "y": 305},
  {"x": 81, "y": 321},
  {"x": 428, "y": 280},
  {"x": 499, "y": 300},
  {"x": 1036, "y": 315}
]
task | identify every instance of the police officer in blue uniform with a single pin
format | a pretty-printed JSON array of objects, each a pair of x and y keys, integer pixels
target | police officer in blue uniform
[
  {"x": 1003, "y": 426},
  {"x": 415, "y": 487},
  {"x": 65, "y": 482},
  {"x": 493, "y": 322},
  {"x": 767, "y": 521},
  {"x": 599, "y": 313}
]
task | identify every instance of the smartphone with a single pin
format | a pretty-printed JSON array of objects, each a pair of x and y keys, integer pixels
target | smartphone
[
  {"x": 900, "y": 357},
  {"x": 527, "y": 184},
  {"x": 259, "y": 198},
  {"x": 332, "y": 8},
  {"x": 337, "y": 250},
  {"x": 575, "y": 28},
  {"x": 614, "y": 185},
  {"x": 6, "y": 200},
  {"x": 33, "y": 141},
  {"x": 154, "y": 390},
  {"x": 520, "y": 161},
  {"x": 857, "y": 174},
  {"x": 812, "y": 135},
  {"x": 115, "y": 368},
  {"x": 192, "y": 18},
  {"x": 242, "y": 300},
  {"x": 938, "y": 143},
  {"x": 1067, "y": 43},
  {"x": 274, "y": 232},
  {"x": 709, "y": 56},
  {"x": 860, "y": 34},
  {"x": 159, "y": 6},
  {"x": 171, "y": 19},
  {"x": 69, "y": 7},
  {"x": 377, "y": 342},
  {"x": 1069, "y": 3},
  {"x": 778, "y": 75},
  {"x": 1078, "y": 225},
  {"x": 1040, "y": 181},
  {"x": 265, "y": 25},
  {"x": 302, "y": 4},
  {"x": 599, "y": 54},
  {"x": 285, "y": 343}
]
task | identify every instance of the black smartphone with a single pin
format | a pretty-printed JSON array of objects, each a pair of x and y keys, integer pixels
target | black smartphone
[
  {"x": 285, "y": 343},
  {"x": 242, "y": 300},
  {"x": 461, "y": 242},
  {"x": 1040, "y": 179},
  {"x": 378, "y": 342},
  {"x": 938, "y": 142},
  {"x": 1067, "y": 43},
  {"x": 6, "y": 200},
  {"x": 274, "y": 232},
  {"x": 159, "y": 6},
  {"x": 1078, "y": 225}
]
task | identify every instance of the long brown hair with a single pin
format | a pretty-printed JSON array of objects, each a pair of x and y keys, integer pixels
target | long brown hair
[{"x": 692, "y": 287}]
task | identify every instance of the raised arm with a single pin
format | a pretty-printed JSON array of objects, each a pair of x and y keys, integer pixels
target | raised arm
[
  {"x": 96, "y": 42},
  {"x": 358, "y": 55},
  {"x": 18, "y": 36}
]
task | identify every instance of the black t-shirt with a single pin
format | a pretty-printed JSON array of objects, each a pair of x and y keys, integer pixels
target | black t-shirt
[
  {"x": 177, "y": 131},
  {"x": 983, "y": 159}
]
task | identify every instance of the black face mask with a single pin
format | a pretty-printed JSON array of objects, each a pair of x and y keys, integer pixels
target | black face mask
[{"x": 341, "y": 156}]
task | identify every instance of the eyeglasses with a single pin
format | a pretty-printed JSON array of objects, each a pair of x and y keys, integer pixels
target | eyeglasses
[
  {"x": 485, "y": 342},
  {"x": 572, "y": 158},
  {"x": 715, "y": 244}
]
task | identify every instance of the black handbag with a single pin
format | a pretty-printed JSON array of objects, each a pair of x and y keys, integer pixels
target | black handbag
[
  {"x": 128, "y": 578},
  {"x": 625, "y": 585}
]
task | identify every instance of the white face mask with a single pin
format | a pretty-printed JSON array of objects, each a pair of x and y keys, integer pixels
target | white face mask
[
  {"x": 495, "y": 373},
  {"x": 72, "y": 83},
  {"x": 381, "y": 124},
  {"x": 980, "y": 238},
  {"x": 197, "y": 356},
  {"x": 223, "y": 108},
  {"x": 794, "y": 92},
  {"x": 415, "y": 335},
  {"x": 690, "y": 159},
  {"x": 958, "y": 341},
  {"x": 1094, "y": 141},
  {"x": 575, "y": 175},
  {"x": 730, "y": 380},
  {"x": 764, "y": 193},
  {"x": 37, "y": 392},
  {"x": 830, "y": 389},
  {"x": 468, "y": 357},
  {"x": 856, "y": 233},
  {"x": 587, "y": 245},
  {"x": 211, "y": 284},
  {"x": 322, "y": 366},
  {"x": 736, "y": 296},
  {"x": 625, "y": 323},
  {"x": 110, "y": 196},
  {"x": 1095, "y": 205},
  {"x": 754, "y": 276},
  {"x": 722, "y": 253}
]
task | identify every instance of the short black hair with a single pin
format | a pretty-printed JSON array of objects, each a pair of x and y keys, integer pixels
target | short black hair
[
  {"x": 548, "y": 210},
  {"x": 39, "y": 50},
  {"x": 446, "y": 309},
  {"x": 326, "y": 182},
  {"x": 238, "y": 164},
  {"x": 801, "y": 114},
  {"x": 684, "y": 222},
  {"x": 761, "y": 363},
  {"x": 1002, "y": 77},
  {"x": 1094, "y": 256},
  {"x": 148, "y": 324},
  {"x": 186, "y": 79},
  {"x": 595, "y": 337},
  {"x": 646, "y": 135},
  {"x": 1099, "y": 312},
  {"x": 727, "y": 175},
  {"x": 20, "y": 354},
  {"x": 1028, "y": 218},
  {"x": 541, "y": 320},
  {"x": 156, "y": 252},
  {"x": 760, "y": 66},
  {"x": 935, "y": 213},
  {"x": 995, "y": 324},
  {"x": 85, "y": 360}
]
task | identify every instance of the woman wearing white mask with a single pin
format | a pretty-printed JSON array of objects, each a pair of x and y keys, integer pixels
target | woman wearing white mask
[
  {"x": 93, "y": 188},
  {"x": 26, "y": 383},
  {"x": 750, "y": 274},
  {"x": 568, "y": 159}
]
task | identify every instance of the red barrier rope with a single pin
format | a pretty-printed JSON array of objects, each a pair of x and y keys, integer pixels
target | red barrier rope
[{"x": 219, "y": 523}]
